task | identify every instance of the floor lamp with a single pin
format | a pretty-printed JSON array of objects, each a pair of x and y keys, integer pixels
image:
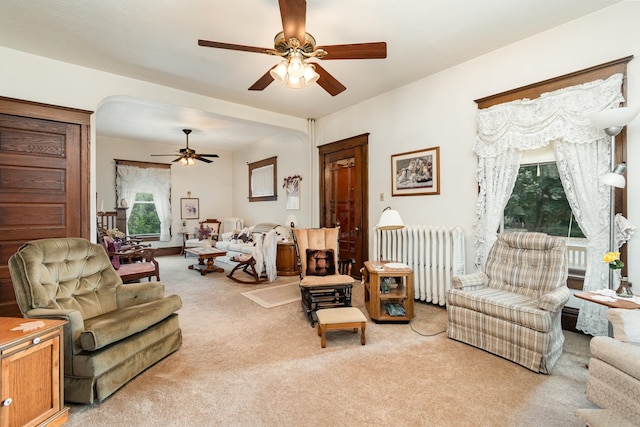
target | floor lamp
[{"x": 612, "y": 121}]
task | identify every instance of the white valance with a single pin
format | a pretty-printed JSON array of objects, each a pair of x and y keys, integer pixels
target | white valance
[{"x": 527, "y": 124}]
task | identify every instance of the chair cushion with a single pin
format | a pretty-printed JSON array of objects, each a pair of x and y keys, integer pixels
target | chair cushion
[
  {"x": 509, "y": 306},
  {"x": 331, "y": 280},
  {"x": 338, "y": 315},
  {"x": 320, "y": 262},
  {"x": 115, "y": 325}
]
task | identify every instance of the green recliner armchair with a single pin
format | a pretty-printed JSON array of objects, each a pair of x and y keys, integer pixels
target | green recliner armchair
[{"x": 114, "y": 331}]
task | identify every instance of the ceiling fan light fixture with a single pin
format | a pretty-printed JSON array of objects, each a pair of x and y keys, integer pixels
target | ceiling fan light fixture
[
  {"x": 293, "y": 82},
  {"x": 310, "y": 75},
  {"x": 183, "y": 161},
  {"x": 279, "y": 72},
  {"x": 190, "y": 161},
  {"x": 296, "y": 66}
]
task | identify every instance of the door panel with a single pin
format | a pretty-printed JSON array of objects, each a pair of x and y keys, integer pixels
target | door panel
[
  {"x": 344, "y": 196},
  {"x": 43, "y": 181}
]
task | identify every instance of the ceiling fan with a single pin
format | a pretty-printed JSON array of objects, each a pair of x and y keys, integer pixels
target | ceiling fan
[
  {"x": 187, "y": 156},
  {"x": 295, "y": 45}
]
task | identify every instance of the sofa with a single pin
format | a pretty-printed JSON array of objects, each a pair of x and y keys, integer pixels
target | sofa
[
  {"x": 113, "y": 331},
  {"x": 614, "y": 373},
  {"x": 513, "y": 308},
  {"x": 242, "y": 242}
]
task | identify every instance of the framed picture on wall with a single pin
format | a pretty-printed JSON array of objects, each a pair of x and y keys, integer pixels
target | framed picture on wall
[
  {"x": 189, "y": 208},
  {"x": 416, "y": 173}
]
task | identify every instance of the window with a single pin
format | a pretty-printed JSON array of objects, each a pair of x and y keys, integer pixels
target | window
[
  {"x": 146, "y": 188},
  {"x": 538, "y": 203},
  {"x": 262, "y": 180},
  {"x": 143, "y": 219}
]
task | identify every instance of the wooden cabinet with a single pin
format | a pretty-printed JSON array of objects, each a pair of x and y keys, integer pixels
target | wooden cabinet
[
  {"x": 399, "y": 292},
  {"x": 286, "y": 260},
  {"x": 32, "y": 378}
]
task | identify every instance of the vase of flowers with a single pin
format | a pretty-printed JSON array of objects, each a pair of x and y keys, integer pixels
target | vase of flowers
[{"x": 613, "y": 259}]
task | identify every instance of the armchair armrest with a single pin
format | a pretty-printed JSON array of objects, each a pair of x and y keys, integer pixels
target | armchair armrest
[
  {"x": 73, "y": 317},
  {"x": 345, "y": 265},
  {"x": 554, "y": 300},
  {"x": 471, "y": 281},
  {"x": 138, "y": 293}
]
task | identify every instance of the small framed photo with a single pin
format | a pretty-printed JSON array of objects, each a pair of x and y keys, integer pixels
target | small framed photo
[
  {"x": 189, "y": 208},
  {"x": 416, "y": 172}
]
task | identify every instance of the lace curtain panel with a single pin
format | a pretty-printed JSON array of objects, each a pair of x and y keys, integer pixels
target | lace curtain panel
[
  {"x": 558, "y": 118},
  {"x": 157, "y": 181}
]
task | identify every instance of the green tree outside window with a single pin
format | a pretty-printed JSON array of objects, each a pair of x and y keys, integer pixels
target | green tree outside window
[{"x": 143, "y": 218}]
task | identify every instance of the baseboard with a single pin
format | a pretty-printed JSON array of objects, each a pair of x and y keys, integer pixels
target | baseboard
[
  {"x": 569, "y": 319},
  {"x": 174, "y": 250}
]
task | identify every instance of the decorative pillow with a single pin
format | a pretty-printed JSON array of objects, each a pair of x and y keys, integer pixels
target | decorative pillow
[{"x": 320, "y": 262}]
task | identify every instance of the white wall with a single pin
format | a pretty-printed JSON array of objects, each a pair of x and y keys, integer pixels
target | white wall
[
  {"x": 440, "y": 111},
  {"x": 293, "y": 152},
  {"x": 210, "y": 183}
]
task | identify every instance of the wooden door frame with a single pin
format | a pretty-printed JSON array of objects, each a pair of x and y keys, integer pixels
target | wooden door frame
[{"x": 359, "y": 141}]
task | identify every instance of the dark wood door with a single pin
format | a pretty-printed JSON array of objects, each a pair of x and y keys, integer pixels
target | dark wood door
[
  {"x": 344, "y": 190},
  {"x": 44, "y": 180}
]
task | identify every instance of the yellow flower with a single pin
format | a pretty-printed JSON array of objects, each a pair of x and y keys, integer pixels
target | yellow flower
[{"x": 611, "y": 256}]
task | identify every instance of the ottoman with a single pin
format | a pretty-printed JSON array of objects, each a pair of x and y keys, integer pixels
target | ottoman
[{"x": 340, "y": 318}]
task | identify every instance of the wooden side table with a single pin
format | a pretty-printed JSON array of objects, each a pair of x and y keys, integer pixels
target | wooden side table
[
  {"x": 400, "y": 293},
  {"x": 32, "y": 384},
  {"x": 286, "y": 260},
  {"x": 618, "y": 303}
]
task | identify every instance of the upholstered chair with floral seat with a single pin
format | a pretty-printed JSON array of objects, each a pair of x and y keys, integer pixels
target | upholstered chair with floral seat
[{"x": 513, "y": 309}]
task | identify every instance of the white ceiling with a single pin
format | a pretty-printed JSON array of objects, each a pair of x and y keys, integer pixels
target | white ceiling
[{"x": 156, "y": 40}]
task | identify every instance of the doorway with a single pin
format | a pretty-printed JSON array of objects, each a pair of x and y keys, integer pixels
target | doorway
[{"x": 344, "y": 189}]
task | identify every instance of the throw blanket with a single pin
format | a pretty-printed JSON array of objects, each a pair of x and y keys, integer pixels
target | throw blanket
[{"x": 264, "y": 252}]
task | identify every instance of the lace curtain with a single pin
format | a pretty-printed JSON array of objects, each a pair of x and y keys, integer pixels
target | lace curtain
[
  {"x": 560, "y": 118},
  {"x": 131, "y": 180}
]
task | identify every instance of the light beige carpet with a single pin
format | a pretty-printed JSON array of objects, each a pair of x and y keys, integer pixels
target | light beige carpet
[
  {"x": 244, "y": 365},
  {"x": 274, "y": 296}
]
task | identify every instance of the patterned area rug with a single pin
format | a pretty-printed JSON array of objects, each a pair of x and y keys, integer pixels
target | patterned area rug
[{"x": 275, "y": 295}]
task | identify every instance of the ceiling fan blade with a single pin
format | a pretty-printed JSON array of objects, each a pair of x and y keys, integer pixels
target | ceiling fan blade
[
  {"x": 377, "y": 50},
  {"x": 209, "y": 155},
  {"x": 263, "y": 81},
  {"x": 198, "y": 157},
  {"x": 231, "y": 46},
  {"x": 293, "y": 14},
  {"x": 328, "y": 82}
]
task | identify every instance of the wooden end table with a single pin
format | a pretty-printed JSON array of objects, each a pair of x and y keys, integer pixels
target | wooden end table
[
  {"x": 376, "y": 299},
  {"x": 618, "y": 303},
  {"x": 208, "y": 255}
]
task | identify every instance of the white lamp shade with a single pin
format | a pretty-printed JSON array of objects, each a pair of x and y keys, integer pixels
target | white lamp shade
[
  {"x": 310, "y": 75},
  {"x": 390, "y": 220},
  {"x": 296, "y": 66},
  {"x": 279, "y": 72},
  {"x": 614, "y": 117},
  {"x": 294, "y": 82}
]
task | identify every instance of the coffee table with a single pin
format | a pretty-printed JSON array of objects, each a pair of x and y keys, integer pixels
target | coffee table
[{"x": 208, "y": 255}]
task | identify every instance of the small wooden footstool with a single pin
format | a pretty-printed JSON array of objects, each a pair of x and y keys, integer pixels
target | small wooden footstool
[{"x": 340, "y": 318}]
